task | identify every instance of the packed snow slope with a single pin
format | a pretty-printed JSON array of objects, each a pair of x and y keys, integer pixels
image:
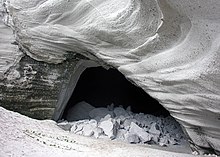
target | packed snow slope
[{"x": 169, "y": 48}]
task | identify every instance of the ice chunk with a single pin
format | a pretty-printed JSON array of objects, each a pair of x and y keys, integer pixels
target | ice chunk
[
  {"x": 135, "y": 129},
  {"x": 88, "y": 130},
  {"x": 107, "y": 117},
  {"x": 89, "y": 127},
  {"x": 109, "y": 127},
  {"x": 98, "y": 132},
  {"x": 154, "y": 129},
  {"x": 79, "y": 125},
  {"x": 127, "y": 123}
]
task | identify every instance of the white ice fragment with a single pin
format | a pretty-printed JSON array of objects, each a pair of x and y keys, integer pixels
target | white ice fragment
[
  {"x": 154, "y": 129},
  {"x": 79, "y": 111},
  {"x": 109, "y": 127},
  {"x": 135, "y": 129},
  {"x": 88, "y": 130},
  {"x": 107, "y": 117},
  {"x": 93, "y": 122},
  {"x": 98, "y": 132}
]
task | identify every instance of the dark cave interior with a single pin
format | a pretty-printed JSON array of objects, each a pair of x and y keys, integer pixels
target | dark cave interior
[{"x": 100, "y": 87}]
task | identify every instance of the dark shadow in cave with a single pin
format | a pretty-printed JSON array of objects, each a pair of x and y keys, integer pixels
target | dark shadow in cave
[{"x": 100, "y": 87}]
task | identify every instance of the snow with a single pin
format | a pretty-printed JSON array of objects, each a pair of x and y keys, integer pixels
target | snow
[{"x": 21, "y": 136}]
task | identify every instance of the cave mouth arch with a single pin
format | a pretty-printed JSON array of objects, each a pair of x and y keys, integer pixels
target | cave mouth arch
[{"x": 101, "y": 87}]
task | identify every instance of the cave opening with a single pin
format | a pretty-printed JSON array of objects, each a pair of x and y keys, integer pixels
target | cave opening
[
  {"x": 101, "y": 87},
  {"x": 135, "y": 117}
]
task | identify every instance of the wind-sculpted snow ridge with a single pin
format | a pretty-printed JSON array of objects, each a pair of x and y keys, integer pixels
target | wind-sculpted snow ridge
[{"x": 169, "y": 48}]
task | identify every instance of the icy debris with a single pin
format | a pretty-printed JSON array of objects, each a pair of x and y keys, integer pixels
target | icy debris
[
  {"x": 154, "y": 129},
  {"x": 88, "y": 130},
  {"x": 116, "y": 123},
  {"x": 127, "y": 123},
  {"x": 143, "y": 135},
  {"x": 109, "y": 127},
  {"x": 98, "y": 132},
  {"x": 84, "y": 127}
]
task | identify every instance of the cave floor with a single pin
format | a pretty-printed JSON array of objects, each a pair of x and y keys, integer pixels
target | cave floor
[{"x": 23, "y": 136}]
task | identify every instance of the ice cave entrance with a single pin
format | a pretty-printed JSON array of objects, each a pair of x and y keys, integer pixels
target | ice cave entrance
[
  {"x": 101, "y": 87},
  {"x": 104, "y": 104}
]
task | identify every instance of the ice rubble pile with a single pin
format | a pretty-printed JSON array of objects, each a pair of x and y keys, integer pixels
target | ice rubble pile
[{"x": 117, "y": 123}]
